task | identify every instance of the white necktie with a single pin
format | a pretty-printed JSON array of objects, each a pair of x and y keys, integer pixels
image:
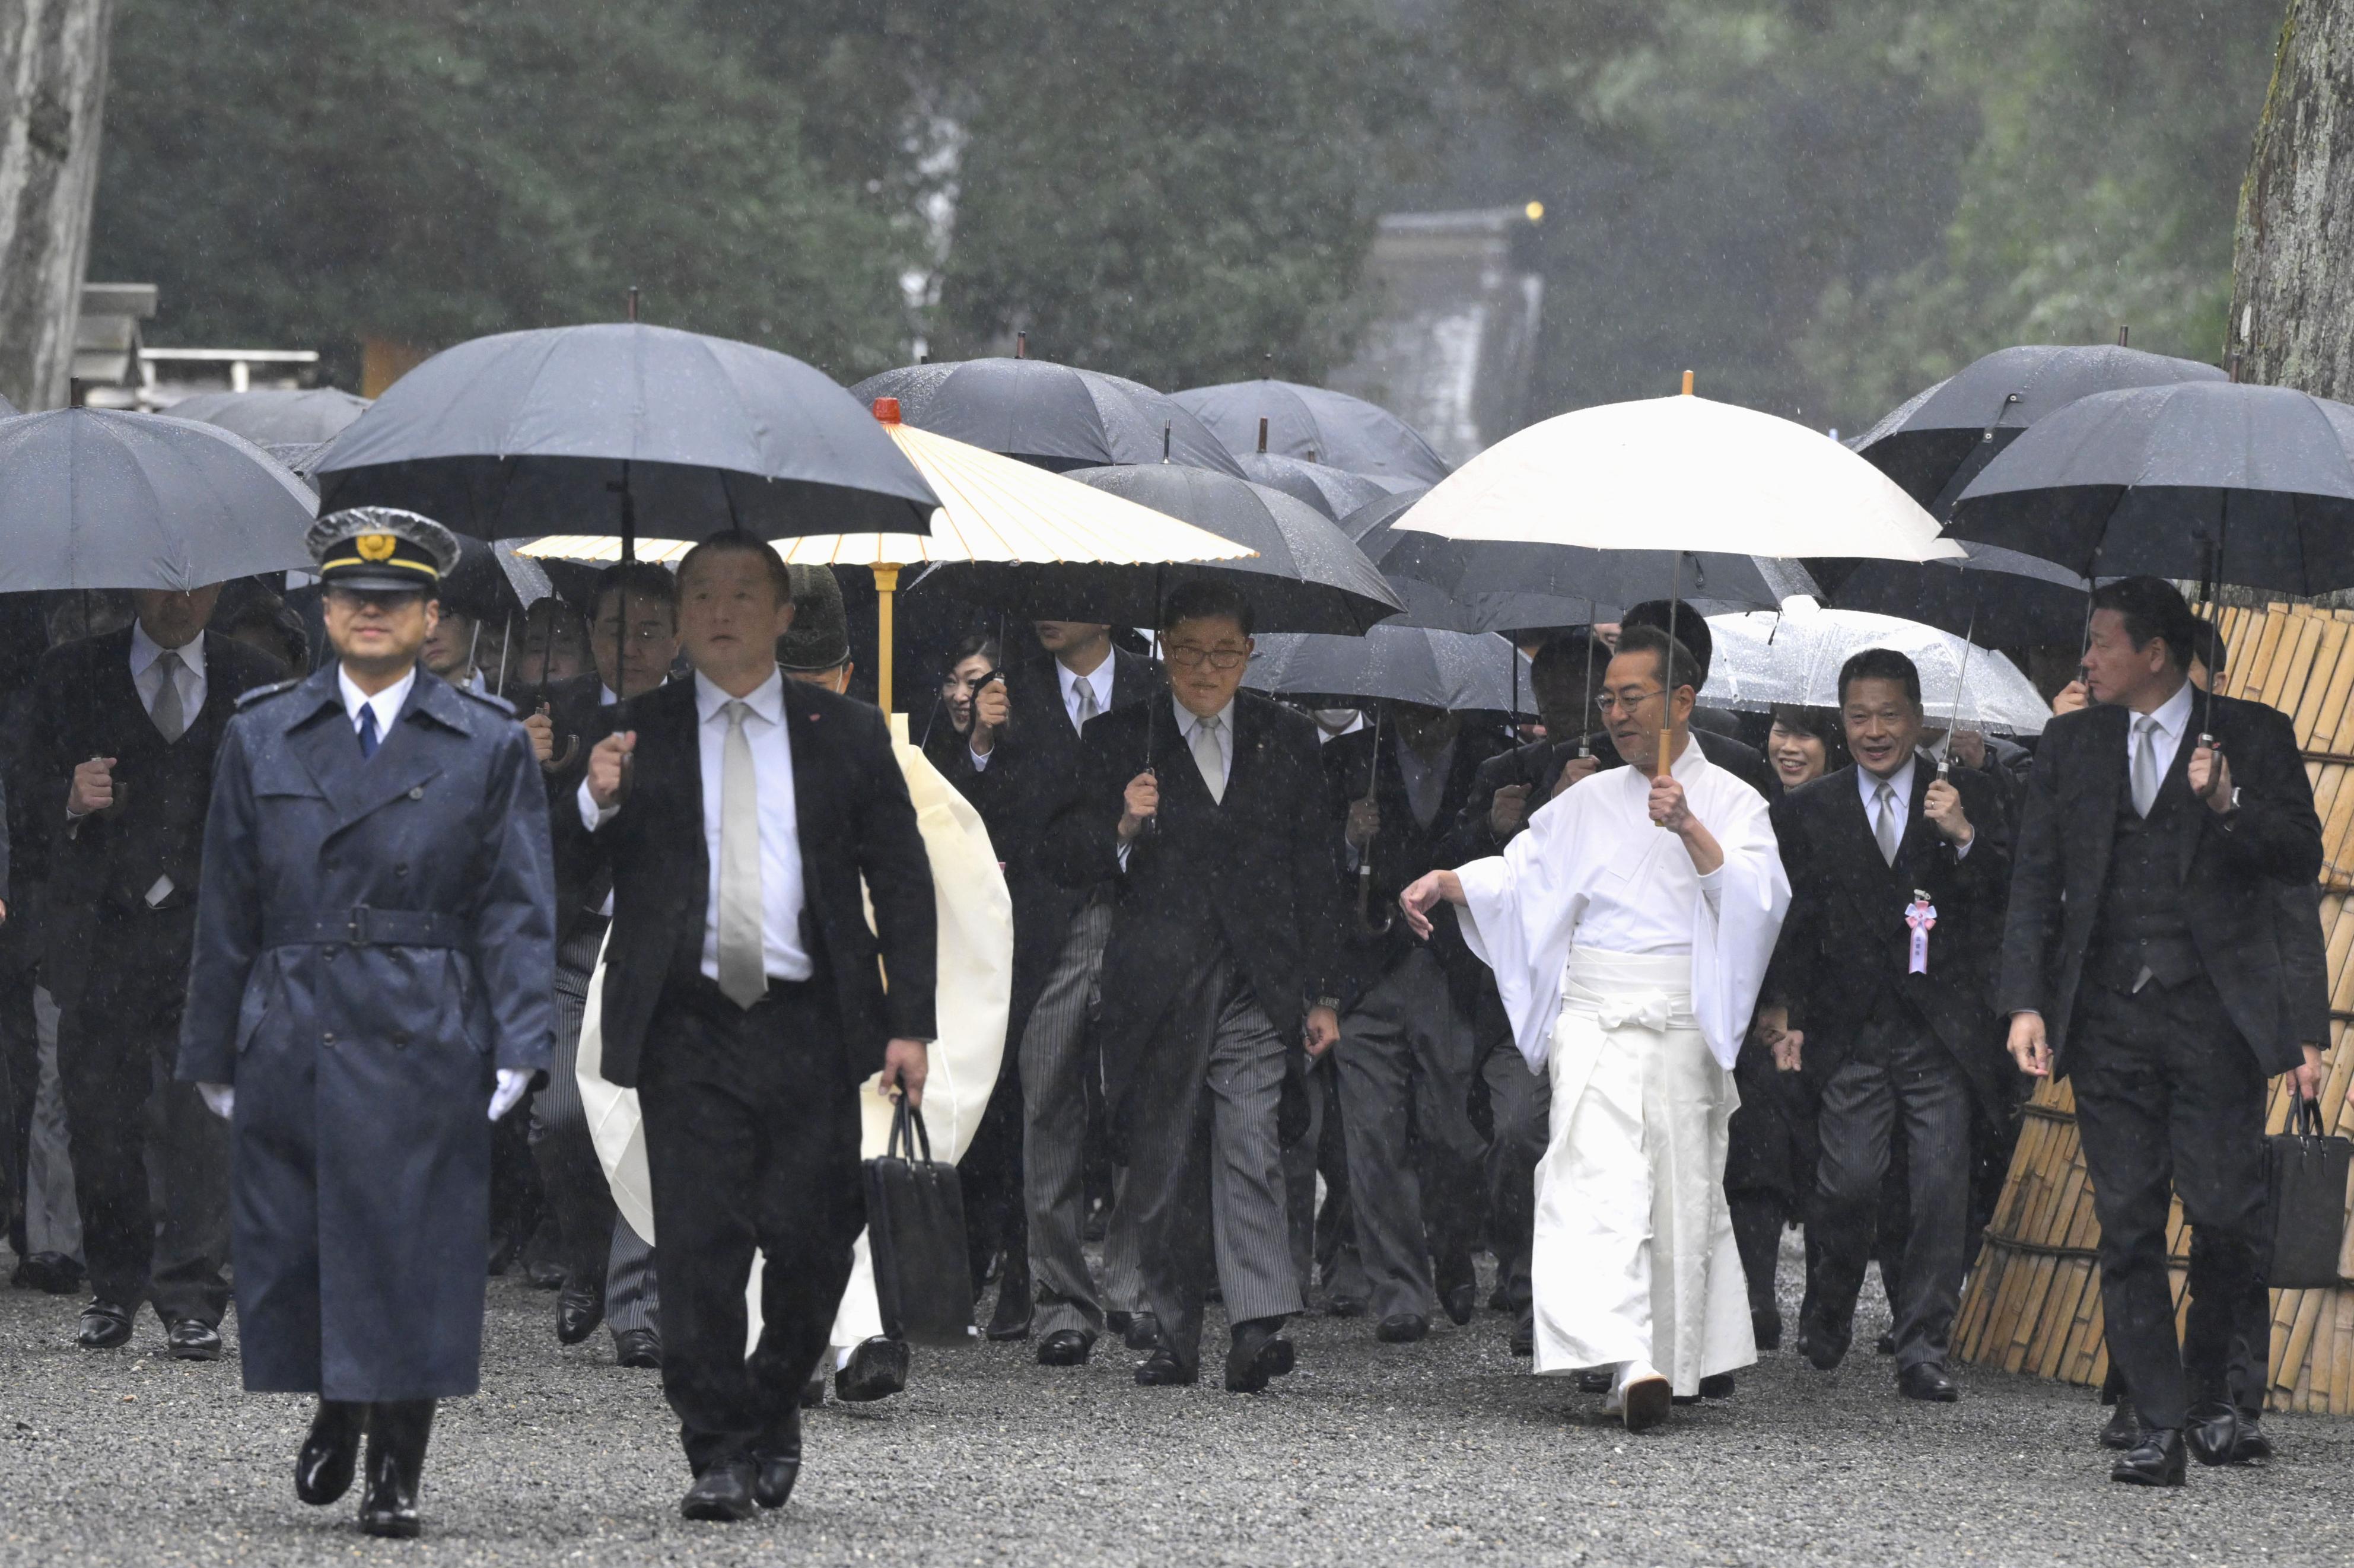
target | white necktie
[
  {"x": 171, "y": 718},
  {"x": 2145, "y": 765},
  {"x": 1084, "y": 690},
  {"x": 1885, "y": 830},
  {"x": 1209, "y": 758},
  {"x": 743, "y": 969}
]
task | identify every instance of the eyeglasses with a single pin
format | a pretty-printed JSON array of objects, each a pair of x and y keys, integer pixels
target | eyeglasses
[
  {"x": 1187, "y": 656},
  {"x": 1611, "y": 702}
]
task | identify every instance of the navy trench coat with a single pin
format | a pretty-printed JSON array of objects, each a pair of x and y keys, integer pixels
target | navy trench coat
[{"x": 374, "y": 937}]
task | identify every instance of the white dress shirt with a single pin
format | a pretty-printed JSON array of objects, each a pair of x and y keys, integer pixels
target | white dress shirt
[
  {"x": 1899, "y": 784},
  {"x": 781, "y": 844},
  {"x": 1188, "y": 722},
  {"x": 386, "y": 702},
  {"x": 149, "y": 680},
  {"x": 2173, "y": 717},
  {"x": 1099, "y": 678}
]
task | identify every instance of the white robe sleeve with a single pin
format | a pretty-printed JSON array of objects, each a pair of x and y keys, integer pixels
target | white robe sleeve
[
  {"x": 1736, "y": 915},
  {"x": 1520, "y": 911}
]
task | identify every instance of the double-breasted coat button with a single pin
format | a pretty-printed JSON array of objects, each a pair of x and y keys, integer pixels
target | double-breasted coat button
[
  {"x": 417, "y": 791},
  {"x": 329, "y": 1037}
]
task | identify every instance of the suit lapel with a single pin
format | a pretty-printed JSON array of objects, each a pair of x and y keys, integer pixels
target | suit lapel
[
  {"x": 1863, "y": 873},
  {"x": 804, "y": 732},
  {"x": 404, "y": 761},
  {"x": 1920, "y": 834}
]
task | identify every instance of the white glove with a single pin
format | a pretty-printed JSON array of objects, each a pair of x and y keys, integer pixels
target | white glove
[
  {"x": 219, "y": 1098},
  {"x": 513, "y": 1085}
]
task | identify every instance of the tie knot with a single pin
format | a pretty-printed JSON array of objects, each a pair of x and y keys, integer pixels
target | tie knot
[
  {"x": 2146, "y": 724},
  {"x": 1210, "y": 725},
  {"x": 1887, "y": 791},
  {"x": 168, "y": 660},
  {"x": 737, "y": 711}
]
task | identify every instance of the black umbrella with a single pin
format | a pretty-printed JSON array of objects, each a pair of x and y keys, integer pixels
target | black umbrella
[
  {"x": 1057, "y": 415},
  {"x": 1451, "y": 670},
  {"x": 2253, "y": 486},
  {"x": 1996, "y": 596},
  {"x": 99, "y": 499},
  {"x": 1307, "y": 577},
  {"x": 1334, "y": 492},
  {"x": 1940, "y": 439},
  {"x": 276, "y": 417},
  {"x": 1468, "y": 585},
  {"x": 1317, "y": 425},
  {"x": 625, "y": 429}
]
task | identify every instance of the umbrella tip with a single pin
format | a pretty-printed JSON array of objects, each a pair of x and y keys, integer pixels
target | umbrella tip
[
  {"x": 1688, "y": 383},
  {"x": 1166, "y": 430},
  {"x": 633, "y": 302},
  {"x": 886, "y": 411},
  {"x": 2235, "y": 367},
  {"x": 2123, "y": 333},
  {"x": 1021, "y": 345},
  {"x": 1267, "y": 366},
  {"x": 1262, "y": 435}
]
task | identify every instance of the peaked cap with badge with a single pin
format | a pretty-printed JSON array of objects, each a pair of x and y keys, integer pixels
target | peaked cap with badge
[{"x": 382, "y": 547}]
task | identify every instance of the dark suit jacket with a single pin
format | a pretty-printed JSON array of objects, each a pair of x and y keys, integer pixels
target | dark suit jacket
[
  {"x": 1845, "y": 947},
  {"x": 1256, "y": 872},
  {"x": 85, "y": 705},
  {"x": 577, "y": 710},
  {"x": 856, "y": 823},
  {"x": 2231, "y": 874}
]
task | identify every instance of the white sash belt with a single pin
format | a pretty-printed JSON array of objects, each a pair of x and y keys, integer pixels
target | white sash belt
[{"x": 1603, "y": 994}]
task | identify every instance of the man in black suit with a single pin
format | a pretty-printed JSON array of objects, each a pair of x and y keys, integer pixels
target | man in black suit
[
  {"x": 124, "y": 727},
  {"x": 1881, "y": 986},
  {"x": 1410, "y": 1046},
  {"x": 608, "y": 1269},
  {"x": 747, "y": 819},
  {"x": 2142, "y": 959},
  {"x": 1220, "y": 965},
  {"x": 1022, "y": 750}
]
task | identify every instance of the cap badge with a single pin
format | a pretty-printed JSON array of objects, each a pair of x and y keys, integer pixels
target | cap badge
[{"x": 376, "y": 546}]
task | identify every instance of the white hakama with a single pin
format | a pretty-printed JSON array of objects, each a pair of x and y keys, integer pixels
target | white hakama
[{"x": 1630, "y": 979}]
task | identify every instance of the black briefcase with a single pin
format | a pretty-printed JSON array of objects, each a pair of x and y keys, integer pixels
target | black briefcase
[
  {"x": 915, "y": 1226},
  {"x": 2308, "y": 1183}
]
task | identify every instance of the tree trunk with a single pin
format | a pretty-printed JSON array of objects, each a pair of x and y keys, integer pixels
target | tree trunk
[
  {"x": 2293, "y": 271},
  {"x": 52, "y": 98}
]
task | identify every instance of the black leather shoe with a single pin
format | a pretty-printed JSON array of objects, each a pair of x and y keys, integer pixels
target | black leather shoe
[
  {"x": 52, "y": 1273},
  {"x": 1015, "y": 1304},
  {"x": 579, "y": 1309},
  {"x": 1065, "y": 1348},
  {"x": 722, "y": 1494},
  {"x": 1927, "y": 1379},
  {"x": 777, "y": 1464},
  {"x": 1822, "y": 1352},
  {"x": 192, "y": 1340},
  {"x": 398, "y": 1434},
  {"x": 1886, "y": 1345},
  {"x": 544, "y": 1275},
  {"x": 878, "y": 1369},
  {"x": 1143, "y": 1331},
  {"x": 105, "y": 1326},
  {"x": 1460, "y": 1302},
  {"x": 1767, "y": 1327},
  {"x": 1161, "y": 1369},
  {"x": 324, "y": 1468},
  {"x": 2123, "y": 1429},
  {"x": 1720, "y": 1386},
  {"x": 1117, "y": 1323},
  {"x": 1402, "y": 1327},
  {"x": 638, "y": 1348},
  {"x": 1259, "y": 1354},
  {"x": 2255, "y": 1444},
  {"x": 2211, "y": 1432},
  {"x": 2155, "y": 1461},
  {"x": 1344, "y": 1307},
  {"x": 1524, "y": 1333},
  {"x": 1594, "y": 1380}
]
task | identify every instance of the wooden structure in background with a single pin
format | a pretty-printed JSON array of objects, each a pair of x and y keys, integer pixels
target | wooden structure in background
[{"x": 2033, "y": 1303}]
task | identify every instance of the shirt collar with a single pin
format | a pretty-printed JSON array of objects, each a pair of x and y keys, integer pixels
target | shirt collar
[
  {"x": 388, "y": 702},
  {"x": 146, "y": 650},
  {"x": 1188, "y": 720},
  {"x": 1099, "y": 678},
  {"x": 2173, "y": 715},
  {"x": 1413, "y": 763},
  {"x": 606, "y": 695},
  {"x": 1901, "y": 781},
  {"x": 766, "y": 700}
]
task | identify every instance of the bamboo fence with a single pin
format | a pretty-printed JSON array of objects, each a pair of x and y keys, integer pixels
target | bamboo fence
[{"x": 2033, "y": 1302}]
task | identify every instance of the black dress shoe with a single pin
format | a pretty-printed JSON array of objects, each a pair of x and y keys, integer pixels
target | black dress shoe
[
  {"x": 105, "y": 1326},
  {"x": 2255, "y": 1444},
  {"x": 1065, "y": 1348},
  {"x": 1822, "y": 1353},
  {"x": 1117, "y": 1323},
  {"x": 2211, "y": 1432},
  {"x": 579, "y": 1309},
  {"x": 1345, "y": 1306},
  {"x": 723, "y": 1493},
  {"x": 1767, "y": 1327},
  {"x": 1461, "y": 1301},
  {"x": 878, "y": 1369},
  {"x": 1161, "y": 1369},
  {"x": 1886, "y": 1345},
  {"x": 777, "y": 1465},
  {"x": 331, "y": 1452},
  {"x": 398, "y": 1434},
  {"x": 2155, "y": 1461},
  {"x": 1524, "y": 1333},
  {"x": 1259, "y": 1354},
  {"x": 1143, "y": 1331},
  {"x": 1594, "y": 1380},
  {"x": 1015, "y": 1303},
  {"x": 1927, "y": 1379},
  {"x": 192, "y": 1340},
  {"x": 544, "y": 1275},
  {"x": 52, "y": 1273},
  {"x": 1402, "y": 1327},
  {"x": 2123, "y": 1429},
  {"x": 1719, "y": 1386},
  {"x": 638, "y": 1348}
]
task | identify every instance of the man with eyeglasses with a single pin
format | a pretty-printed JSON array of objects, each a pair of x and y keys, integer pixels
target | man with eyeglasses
[
  {"x": 1217, "y": 976},
  {"x": 372, "y": 989},
  {"x": 1629, "y": 929}
]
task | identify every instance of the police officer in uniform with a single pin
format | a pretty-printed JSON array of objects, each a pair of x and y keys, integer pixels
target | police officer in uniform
[{"x": 374, "y": 972}]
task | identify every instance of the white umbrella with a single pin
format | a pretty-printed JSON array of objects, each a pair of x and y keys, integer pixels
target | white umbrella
[{"x": 1767, "y": 658}]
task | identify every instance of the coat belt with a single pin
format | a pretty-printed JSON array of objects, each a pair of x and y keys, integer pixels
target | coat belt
[{"x": 362, "y": 926}]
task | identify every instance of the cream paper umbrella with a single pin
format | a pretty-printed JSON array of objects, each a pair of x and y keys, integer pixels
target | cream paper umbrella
[
  {"x": 974, "y": 991},
  {"x": 993, "y": 508}
]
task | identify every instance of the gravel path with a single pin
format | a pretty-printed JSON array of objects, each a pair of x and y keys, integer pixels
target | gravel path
[{"x": 1443, "y": 1452}]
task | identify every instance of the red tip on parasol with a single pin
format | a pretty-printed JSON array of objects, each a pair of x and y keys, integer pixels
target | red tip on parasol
[{"x": 886, "y": 411}]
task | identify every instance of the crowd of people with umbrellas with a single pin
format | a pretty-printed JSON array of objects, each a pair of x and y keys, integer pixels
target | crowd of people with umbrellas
[{"x": 1212, "y": 705}]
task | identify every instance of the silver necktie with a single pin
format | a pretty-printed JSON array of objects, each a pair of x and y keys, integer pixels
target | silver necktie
[
  {"x": 171, "y": 718},
  {"x": 1208, "y": 758},
  {"x": 2145, "y": 765},
  {"x": 1084, "y": 691},
  {"x": 743, "y": 970},
  {"x": 1885, "y": 829}
]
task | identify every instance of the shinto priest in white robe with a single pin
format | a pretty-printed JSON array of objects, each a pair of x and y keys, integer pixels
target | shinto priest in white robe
[{"x": 1629, "y": 977}]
